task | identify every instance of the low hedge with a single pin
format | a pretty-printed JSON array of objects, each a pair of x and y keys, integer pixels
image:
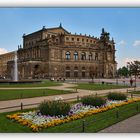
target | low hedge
[
  {"x": 116, "y": 96},
  {"x": 54, "y": 108},
  {"x": 93, "y": 100}
]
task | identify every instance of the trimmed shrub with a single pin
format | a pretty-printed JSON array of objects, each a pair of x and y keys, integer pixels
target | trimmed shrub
[
  {"x": 93, "y": 100},
  {"x": 116, "y": 96},
  {"x": 54, "y": 108}
]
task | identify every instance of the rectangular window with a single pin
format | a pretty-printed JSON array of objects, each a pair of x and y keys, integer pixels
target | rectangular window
[
  {"x": 72, "y": 39},
  {"x": 76, "y": 74},
  {"x": 77, "y": 39},
  {"x": 67, "y": 38},
  {"x": 83, "y": 74},
  {"x": 67, "y": 74},
  {"x": 87, "y": 40},
  {"x": 82, "y": 40}
]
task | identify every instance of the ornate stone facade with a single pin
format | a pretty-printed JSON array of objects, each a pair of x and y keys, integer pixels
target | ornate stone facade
[
  {"x": 5, "y": 59},
  {"x": 55, "y": 52}
]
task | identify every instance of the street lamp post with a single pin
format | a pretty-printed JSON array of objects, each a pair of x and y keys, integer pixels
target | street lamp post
[
  {"x": 135, "y": 81},
  {"x": 124, "y": 81},
  {"x": 116, "y": 78}
]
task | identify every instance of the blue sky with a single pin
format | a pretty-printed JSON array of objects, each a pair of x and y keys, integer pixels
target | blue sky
[{"x": 122, "y": 23}]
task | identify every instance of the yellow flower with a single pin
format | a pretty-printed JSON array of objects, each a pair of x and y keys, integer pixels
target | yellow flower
[{"x": 36, "y": 128}]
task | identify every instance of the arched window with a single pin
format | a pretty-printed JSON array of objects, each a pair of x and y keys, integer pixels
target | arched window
[
  {"x": 67, "y": 68},
  {"x": 75, "y": 68},
  {"x": 83, "y": 56},
  {"x": 67, "y": 38},
  {"x": 90, "y": 56},
  {"x": 83, "y": 68},
  {"x": 57, "y": 40},
  {"x": 67, "y": 55},
  {"x": 76, "y": 56}
]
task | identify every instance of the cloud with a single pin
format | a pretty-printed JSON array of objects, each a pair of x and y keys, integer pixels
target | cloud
[
  {"x": 2, "y": 51},
  {"x": 124, "y": 62},
  {"x": 136, "y": 43},
  {"x": 122, "y": 43},
  {"x": 131, "y": 60}
]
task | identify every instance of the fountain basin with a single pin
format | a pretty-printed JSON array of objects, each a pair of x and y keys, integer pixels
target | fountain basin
[{"x": 19, "y": 82}]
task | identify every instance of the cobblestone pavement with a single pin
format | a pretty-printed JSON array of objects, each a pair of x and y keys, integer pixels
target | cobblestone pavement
[
  {"x": 35, "y": 100},
  {"x": 130, "y": 125}
]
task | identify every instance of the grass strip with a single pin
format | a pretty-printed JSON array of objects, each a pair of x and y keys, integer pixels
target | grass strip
[
  {"x": 93, "y": 86},
  {"x": 29, "y": 93}
]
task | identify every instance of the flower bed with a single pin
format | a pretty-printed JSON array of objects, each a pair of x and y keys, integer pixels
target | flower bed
[{"x": 36, "y": 121}]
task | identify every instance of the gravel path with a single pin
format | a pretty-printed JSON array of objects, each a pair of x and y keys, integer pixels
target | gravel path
[
  {"x": 37, "y": 100},
  {"x": 130, "y": 125}
]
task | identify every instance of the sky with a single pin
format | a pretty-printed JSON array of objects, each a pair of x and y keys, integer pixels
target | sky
[{"x": 123, "y": 24}]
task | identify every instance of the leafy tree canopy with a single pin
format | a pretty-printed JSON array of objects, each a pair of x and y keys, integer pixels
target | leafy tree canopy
[
  {"x": 134, "y": 68},
  {"x": 123, "y": 71}
]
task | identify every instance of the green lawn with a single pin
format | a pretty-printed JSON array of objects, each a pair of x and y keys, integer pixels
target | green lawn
[
  {"x": 135, "y": 92},
  {"x": 93, "y": 123},
  {"x": 92, "y": 86},
  {"x": 45, "y": 83},
  {"x": 28, "y": 93}
]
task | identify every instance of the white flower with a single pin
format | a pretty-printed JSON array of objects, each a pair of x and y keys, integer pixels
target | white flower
[
  {"x": 75, "y": 109},
  {"x": 59, "y": 98}
]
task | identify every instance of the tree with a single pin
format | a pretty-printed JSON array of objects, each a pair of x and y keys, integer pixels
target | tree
[
  {"x": 123, "y": 71},
  {"x": 134, "y": 68}
]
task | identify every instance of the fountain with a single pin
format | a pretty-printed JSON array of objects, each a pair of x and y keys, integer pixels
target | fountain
[
  {"x": 15, "y": 68},
  {"x": 15, "y": 78}
]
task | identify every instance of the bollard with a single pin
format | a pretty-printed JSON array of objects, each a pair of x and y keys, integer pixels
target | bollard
[
  {"x": 21, "y": 105},
  {"x": 77, "y": 97},
  {"x": 83, "y": 126},
  {"x": 131, "y": 95}
]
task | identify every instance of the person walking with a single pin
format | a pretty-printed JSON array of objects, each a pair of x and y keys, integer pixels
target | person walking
[{"x": 131, "y": 82}]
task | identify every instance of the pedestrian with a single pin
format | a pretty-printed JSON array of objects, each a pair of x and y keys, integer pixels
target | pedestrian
[{"x": 131, "y": 82}]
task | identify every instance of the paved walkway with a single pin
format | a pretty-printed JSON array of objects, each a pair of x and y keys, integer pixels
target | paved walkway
[
  {"x": 37, "y": 100},
  {"x": 65, "y": 86},
  {"x": 130, "y": 125}
]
